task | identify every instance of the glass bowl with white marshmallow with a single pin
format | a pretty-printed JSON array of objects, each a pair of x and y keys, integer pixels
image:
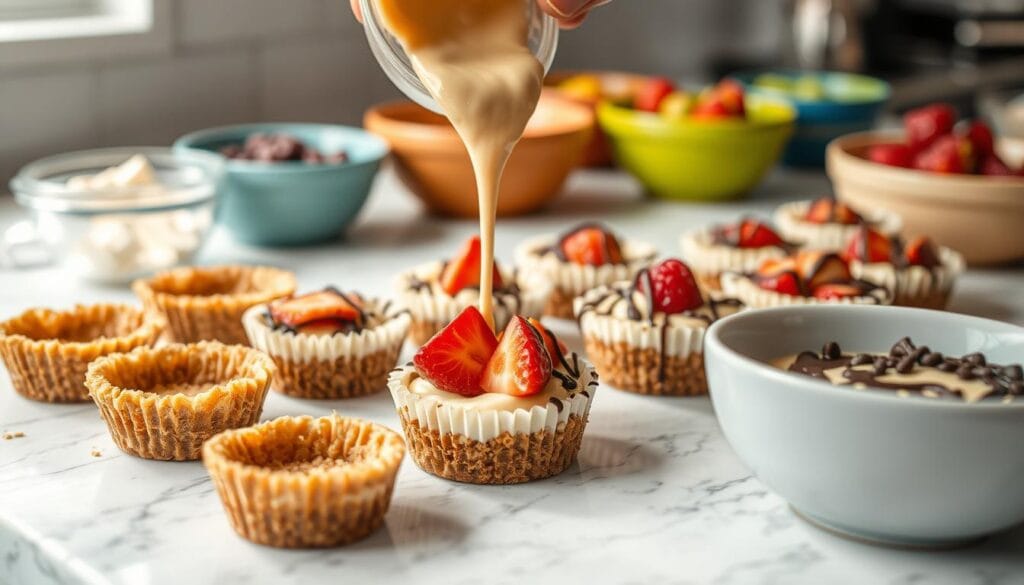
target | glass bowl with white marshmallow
[{"x": 112, "y": 215}]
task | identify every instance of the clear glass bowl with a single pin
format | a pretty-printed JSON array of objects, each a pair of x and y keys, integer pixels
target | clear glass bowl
[
  {"x": 120, "y": 233},
  {"x": 543, "y": 41}
]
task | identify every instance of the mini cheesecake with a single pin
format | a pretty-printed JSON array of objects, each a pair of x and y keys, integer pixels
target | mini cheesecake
[
  {"x": 329, "y": 344},
  {"x": 482, "y": 409},
  {"x": 920, "y": 273},
  {"x": 738, "y": 247},
  {"x": 807, "y": 277},
  {"x": 827, "y": 225},
  {"x": 646, "y": 335},
  {"x": 436, "y": 292},
  {"x": 911, "y": 370},
  {"x": 580, "y": 259}
]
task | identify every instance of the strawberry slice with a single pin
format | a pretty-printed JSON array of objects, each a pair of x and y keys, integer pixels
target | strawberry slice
[
  {"x": 520, "y": 366},
  {"x": 828, "y": 210},
  {"x": 673, "y": 287},
  {"x": 455, "y": 358},
  {"x": 946, "y": 155},
  {"x": 787, "y": 283},
  {"x": 775, "y": 266},
  {"x": 552, "y": 344},
  {"x": 817, "y": 268},
  {"x": 652, "y": 93},
  {"x": 980, "y": 136},
  {"x": 591, "y": 245},
  {"x": 755, "y": 234},
  {"x": 993, "y": 166},
  {"x": 834, "y": 291},
  {"x": 925, "y": 125},
  {"x": 325, "y": 304},
  {"x": 463, "y": 270},
  {"x": 921, "y": 251},
  {"x": 324, "y": 327},
  {"x": 893, "y": 155},
  {"x": 868, "y": 245}
]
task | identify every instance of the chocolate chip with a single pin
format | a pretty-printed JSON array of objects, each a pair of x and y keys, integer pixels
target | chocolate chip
[
  {"x": 1016, "y": 388},
  {"x": 1013, "y": 372},
  {"x": 931, "y": 359},
  {"x": 975, "y": 359},
  {"x": 906, "y": 364},
  {"x": 965, "y": 372},
  {"x": 831, "y": 351},
  {"x": 881, "y": 365},
  {"x": 982, "y": 372},
  {"x": 902, "y": 347},
  {"x": 947, "y": 366},
  {"x": 861, "y": 359}
]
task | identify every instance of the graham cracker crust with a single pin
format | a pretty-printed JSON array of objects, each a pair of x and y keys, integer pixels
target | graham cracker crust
[
  {"x": 560, "y": 304},
  {"x": 344, "y": 377},
  {"x": 300, "y": 482},
  {"x": 640, "y": 371},
  {"x": 505, "y": 459}
]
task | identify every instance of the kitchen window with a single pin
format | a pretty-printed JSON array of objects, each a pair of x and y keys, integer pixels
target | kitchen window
[{"x": 46, "y": 31}]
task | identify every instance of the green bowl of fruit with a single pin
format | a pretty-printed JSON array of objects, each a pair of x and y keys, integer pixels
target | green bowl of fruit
[{"x": 709, "y": 146}]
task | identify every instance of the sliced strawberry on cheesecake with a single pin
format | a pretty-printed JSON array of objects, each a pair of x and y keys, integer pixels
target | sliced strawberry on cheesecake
[
  {"x": 817, "y": 268},
  {"x": 835, "y": 291},
  {"x": 463, "y": 271},
  {"x": 318, "y": 312},
  {"x": 868, "y": 245},
  {"x": 521, "y": 365},
  {"x": 922, "y": 251},
  {"x": 828, "y": 210},
  {"x": 756, "y": 234},
  {"x": 786, "y": 282},
  {"x": 591, "y": 245},
  {"x": 455, "y": 358}
]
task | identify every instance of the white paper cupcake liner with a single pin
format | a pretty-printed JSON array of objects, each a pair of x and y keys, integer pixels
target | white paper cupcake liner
[
  {"x": 683, "y": 336},
  {"x": 743, "y": 288},
  {"x": 430, "y": 305},
  {"x": 303, "y": 348},
  {"x": 913, "y": 281},
  {"x": 575, "y": 279},
  {"x": 482, "y": 425},
  {"x": 704, "y": 256},
  {"x": 829, "y": 237}
]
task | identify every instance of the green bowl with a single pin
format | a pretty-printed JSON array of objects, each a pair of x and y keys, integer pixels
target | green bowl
[
  {"x": 698, "y": 160},
  {"x": 293, "y": 203}
]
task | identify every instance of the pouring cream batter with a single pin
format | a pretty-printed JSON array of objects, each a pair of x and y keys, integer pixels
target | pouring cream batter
[{"x": 472, "y": 56}]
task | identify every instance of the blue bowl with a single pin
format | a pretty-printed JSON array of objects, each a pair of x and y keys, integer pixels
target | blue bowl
[
  {"x": 852, "y": 104},
  {"x": 293, "y": 203}
]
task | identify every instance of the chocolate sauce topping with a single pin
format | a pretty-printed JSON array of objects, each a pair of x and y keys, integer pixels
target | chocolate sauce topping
[{"x": 903, "y": 358}]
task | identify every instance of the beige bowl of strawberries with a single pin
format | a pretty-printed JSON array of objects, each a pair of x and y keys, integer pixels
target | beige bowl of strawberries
[{"x": 939, "y": 190}]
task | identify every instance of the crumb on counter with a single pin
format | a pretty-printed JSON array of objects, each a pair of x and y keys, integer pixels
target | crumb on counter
[
  {"x": 13, "y": 435},
  {"x": 96, "y": 452}
]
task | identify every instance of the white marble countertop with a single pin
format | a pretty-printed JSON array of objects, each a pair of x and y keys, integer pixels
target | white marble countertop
[{"x": 657, "y": 495}]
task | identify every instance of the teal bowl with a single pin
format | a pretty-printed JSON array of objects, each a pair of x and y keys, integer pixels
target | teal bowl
[
  {"x": 851, "y": 103},
  {"x": 293, "y": 203}
]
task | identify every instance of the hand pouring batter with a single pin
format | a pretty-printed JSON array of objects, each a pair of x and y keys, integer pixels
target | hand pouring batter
[{"x": 472, "y": 56}]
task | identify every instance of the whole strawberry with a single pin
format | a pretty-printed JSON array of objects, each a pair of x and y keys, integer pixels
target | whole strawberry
[{"x": 673, "y": 287}]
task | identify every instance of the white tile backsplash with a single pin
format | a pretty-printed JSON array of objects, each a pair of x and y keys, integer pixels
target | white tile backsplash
[{"x": 205, "y": 22}]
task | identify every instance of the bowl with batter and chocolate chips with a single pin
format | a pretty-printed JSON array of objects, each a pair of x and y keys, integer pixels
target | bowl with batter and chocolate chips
[{"x": 889, "y": 424}]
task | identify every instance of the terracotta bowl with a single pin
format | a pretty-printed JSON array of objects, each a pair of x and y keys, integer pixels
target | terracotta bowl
[
  {"x": 981, "y": 217},
  {"x": 615, "y": 86},
  {"x": 432, "y": 161}
]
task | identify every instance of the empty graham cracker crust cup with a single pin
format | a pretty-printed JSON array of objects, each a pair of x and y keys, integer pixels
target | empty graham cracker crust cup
[
  {"x": 163, "y": 403},
  {"x": 207, "y": 303},
  {"x": 47, "y": 352},
  {"x": 330, "y": 367},
  {"x": 303, "y": 482},
  {"x": 646, "y": 370}
]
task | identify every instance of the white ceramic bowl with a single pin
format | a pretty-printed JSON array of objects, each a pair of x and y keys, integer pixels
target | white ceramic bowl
[{"x": 910, "y": 471}]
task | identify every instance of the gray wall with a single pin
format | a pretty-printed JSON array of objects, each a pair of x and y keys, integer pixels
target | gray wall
[{"x": 230, "y": 61}]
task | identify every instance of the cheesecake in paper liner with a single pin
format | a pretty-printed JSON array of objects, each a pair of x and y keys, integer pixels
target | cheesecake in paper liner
[
  {"x": 343, "y": 365},
  {"x": 495, "y": 438},
  {"x": 535, "y": 256},
  {"x": 709, "y": 260},
  {"x": 207, "y": 303},
  {"x": 163, "y": 403},
  {"x": 828, "y": 237},
  {"x": 742, "y": 287},
  {"x": 419, "y": 292},
  {"x": 656, "y": 354},
  {"x": 304, "y": 482},
  {"x": 915, "y": 286},
  {"x": 47, "y": 352}
]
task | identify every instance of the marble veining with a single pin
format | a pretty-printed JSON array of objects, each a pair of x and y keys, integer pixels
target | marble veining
[{"x": 656, "y": 496}]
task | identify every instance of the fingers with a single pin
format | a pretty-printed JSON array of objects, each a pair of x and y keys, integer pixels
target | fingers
[
  {"x": 570, "y": 13},
  {"x": 357, "y": 10}
]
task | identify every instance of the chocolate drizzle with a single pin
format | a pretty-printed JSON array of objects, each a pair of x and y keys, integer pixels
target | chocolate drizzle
[{"x": 903, "y": 359}]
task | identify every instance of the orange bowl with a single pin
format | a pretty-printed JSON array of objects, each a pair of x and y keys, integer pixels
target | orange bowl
[
  {"x": 615, "y": 86},
  {"x": 432, "y": 161},
  {"x": 981, "y": 217}
]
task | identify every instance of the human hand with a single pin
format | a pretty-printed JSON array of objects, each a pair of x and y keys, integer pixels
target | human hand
[{"x": 569, "y": 13}]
